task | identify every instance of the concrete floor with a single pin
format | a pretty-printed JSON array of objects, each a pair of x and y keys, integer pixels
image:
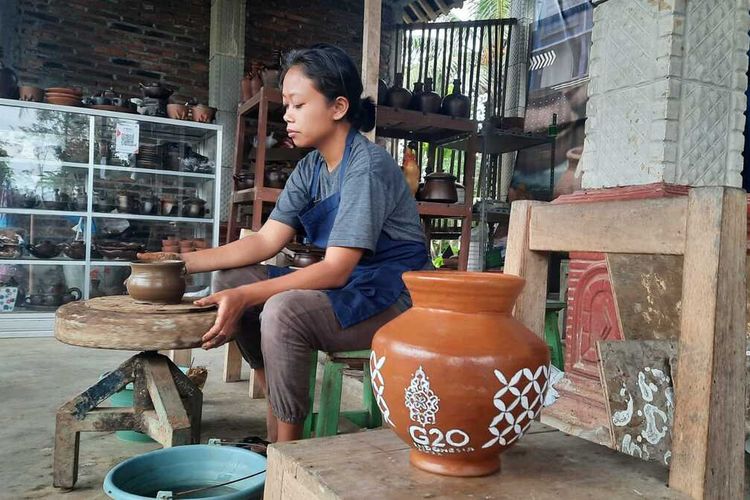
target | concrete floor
[{"x": 40, "y": 374}]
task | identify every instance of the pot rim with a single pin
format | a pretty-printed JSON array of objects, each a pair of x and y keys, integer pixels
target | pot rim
[{"x": 469, "y": 292}]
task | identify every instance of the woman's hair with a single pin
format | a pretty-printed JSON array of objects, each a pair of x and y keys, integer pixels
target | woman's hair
[{"x": 334, "y": 75}]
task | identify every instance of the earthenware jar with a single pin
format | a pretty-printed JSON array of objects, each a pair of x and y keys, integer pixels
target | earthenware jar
[
  {"x": 398, "y": 96},
  {"x": 456, "y": 104},
  {"x": 429, "y": 99},
  {"x": 456, "y": 376},
  {"x": 439, "y": 187},
  {"x": 157, "y": 282},
  {"x": 416, "y": 96}
]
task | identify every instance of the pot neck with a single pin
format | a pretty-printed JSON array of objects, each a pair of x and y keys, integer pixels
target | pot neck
[{"x": 464, "y": 292}]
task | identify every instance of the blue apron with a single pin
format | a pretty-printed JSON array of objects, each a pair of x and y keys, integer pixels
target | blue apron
[{"x": 375, "y": 284}]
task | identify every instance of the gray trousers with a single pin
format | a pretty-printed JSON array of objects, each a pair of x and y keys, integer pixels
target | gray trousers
[{"x": 281, "y": 334}]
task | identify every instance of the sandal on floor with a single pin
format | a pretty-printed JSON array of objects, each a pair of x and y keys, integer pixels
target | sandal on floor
[{"x": 253, "y": 443}]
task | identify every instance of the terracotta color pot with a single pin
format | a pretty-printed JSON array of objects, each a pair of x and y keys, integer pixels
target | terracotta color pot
[
  {"x": 200, "y": 243},
  {"x": 178, "y": 111},
  {"x": 203, "y": 114},
  {"x": 170, "y": 249},
  {"x": 34, "y": 94},
  {"x": 456, "y": 376},
  {"x": 157, "y": 282}
]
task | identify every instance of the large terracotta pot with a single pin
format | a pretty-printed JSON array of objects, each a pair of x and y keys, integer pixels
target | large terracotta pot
[
  {"x": 157, "y": 282},
  {"x": 456, "y": 376}
]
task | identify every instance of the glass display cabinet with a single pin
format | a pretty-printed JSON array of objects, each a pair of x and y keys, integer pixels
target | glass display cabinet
[{"x": 83, "y": 190}]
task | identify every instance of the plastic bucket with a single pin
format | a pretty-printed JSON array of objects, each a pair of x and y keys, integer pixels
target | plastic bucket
[{"x": 188, "y": 467}]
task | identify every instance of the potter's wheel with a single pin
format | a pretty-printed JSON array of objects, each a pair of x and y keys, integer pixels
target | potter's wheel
[{"x": 126, "y": 304}]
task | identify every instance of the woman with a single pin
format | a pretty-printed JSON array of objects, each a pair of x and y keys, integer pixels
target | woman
[{"x": 349, "y": 197}]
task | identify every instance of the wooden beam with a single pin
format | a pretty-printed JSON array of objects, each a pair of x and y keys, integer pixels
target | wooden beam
[
  {"x": 520, "y": 260},
  {"x": 232, "y": 362},
  {"x": 175, "y": 423},
  {"x": 708, "y": 435},
  {"x": 371, "y": 51},
  {"x": 635, "y": 226}
]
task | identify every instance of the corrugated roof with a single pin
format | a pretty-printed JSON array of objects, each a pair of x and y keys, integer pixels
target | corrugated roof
[{"x": 414, "y": 11}]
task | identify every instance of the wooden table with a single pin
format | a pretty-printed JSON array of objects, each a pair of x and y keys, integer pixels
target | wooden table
[
  {"x": 166, "y": 404},
  {"x": 545, "y": 464}
]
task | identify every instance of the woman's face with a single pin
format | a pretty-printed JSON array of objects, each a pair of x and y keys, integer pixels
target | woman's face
[{"x": 309, "y": 117}]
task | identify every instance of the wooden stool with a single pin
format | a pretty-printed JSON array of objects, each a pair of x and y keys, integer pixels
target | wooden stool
[
  {"x": 325, "y": 421},
  {"x": 166, "y": 404}
]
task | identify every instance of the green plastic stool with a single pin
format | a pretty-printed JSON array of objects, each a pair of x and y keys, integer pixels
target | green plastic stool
[
  {"x": 325, "y": 422},
  {"x": 552, "y": 331}
]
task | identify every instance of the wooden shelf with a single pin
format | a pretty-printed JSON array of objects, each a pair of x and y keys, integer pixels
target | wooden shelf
[
  {"x": 264, "y": 194},
  {"x": 282, "y": 154},
  {"x": 501, "y": 141},
  {"x": 458, "y": 210},
  {"x": 399, "y": 123},
  {"x": 272, "y": 96}
]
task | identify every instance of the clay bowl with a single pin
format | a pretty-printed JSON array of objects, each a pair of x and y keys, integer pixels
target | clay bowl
[
  {"x": 63, "y": 101},
  {"x": 157, "y": 282},
  {"x": 178, "y": 111},
  {"x": 203, "y": 114},
  {"x": 28, "y": 93},
  {"x": 200, "y": 244}
]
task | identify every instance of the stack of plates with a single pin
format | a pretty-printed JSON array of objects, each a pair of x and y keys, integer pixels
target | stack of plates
[
  {"x": 150, "y": 156},
  {"x": 63, "y": 96}
]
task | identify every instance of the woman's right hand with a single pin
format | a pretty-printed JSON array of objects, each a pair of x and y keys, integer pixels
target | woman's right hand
[{"x": 158, "y": 256}]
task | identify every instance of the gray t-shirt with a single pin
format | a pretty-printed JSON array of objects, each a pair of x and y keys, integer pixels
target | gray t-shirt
[{"x": 374, "y": 197}]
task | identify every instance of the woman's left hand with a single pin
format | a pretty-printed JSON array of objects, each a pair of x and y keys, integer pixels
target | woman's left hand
[{"x": 232, "y": 303}]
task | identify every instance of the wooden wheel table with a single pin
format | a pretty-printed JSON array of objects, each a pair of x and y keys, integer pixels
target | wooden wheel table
[{"x": 166, "y": 404}]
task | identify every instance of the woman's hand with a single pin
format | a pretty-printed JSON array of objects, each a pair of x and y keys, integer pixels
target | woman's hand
[
  {"x": 232, "y": 304},
  {"x": 158, "y": 256}
]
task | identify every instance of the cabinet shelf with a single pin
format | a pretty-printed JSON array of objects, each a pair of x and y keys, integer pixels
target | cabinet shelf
[
  {"x": 163, "y": 218},
  {"x": 44, "y": 262},
  {"x": 44, "y": 163},
  {"x": 41, "y": 211},
  {"x": 154, "y": 171}
]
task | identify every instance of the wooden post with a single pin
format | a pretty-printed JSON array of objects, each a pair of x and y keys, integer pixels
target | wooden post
[
  {"x": 708, "y": 432},
  {"x": 520, "y": 260},
  {"x": 371, "y": 51}
]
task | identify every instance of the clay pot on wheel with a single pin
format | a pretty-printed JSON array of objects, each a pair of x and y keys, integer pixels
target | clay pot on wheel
[
  {"x": 157, "y": 282},
  {"x": 443, "y": 357}
]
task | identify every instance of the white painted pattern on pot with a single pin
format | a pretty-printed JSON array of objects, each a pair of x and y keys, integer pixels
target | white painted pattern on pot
[
  {"x": 423, "y": 405},
  {"x": 527, "y": 389},
  {"x": 378, "y": 386}
]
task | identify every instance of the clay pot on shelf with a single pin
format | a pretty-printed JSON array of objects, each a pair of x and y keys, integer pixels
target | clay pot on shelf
[
  {"x": 178, "y": 111},
  {"x": 203, "y": 113},
  {"x": 75, "y": 250},
  {"x": 167, "y": 206},
  {"x": 200, "y": 243},
  {"x": 416, "y": 96},
  {"x": 44, "y": 250},
  {"x": 398, "y": 96},
  {"x": 8, "y": 83},
  {"x": 252, "y": 81},
  {"x": 32, "y": 94},
  {"x": 157, "y": 282},
  {"x": 456, "y": 104},
  {"x": 275, "y": 177},
  {"x": 443, "y": 356},
  {"x": 439, "y": 187},
  {"x": 244, "y": 180},
  {"x": 156, "y": 90},
  {"x": 568, "y": 183},
  {"x": 429, "y": 99},
  {"x": 382, "y": 92},
  {"x": 272, "y": 72},
  {"x": 194, "y": 207},
  {"x": 411, "y": 168}
]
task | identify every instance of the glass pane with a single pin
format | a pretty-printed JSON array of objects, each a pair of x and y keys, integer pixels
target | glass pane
[
  {"x": 175, "y": 148},
  {"x": 119, "y": 239},
  {"x": 29, "y": 184},
  {"x": 42, "y": 237},
  {"x": 39, "y": 287},
  {"x": 44, "y": 136}
]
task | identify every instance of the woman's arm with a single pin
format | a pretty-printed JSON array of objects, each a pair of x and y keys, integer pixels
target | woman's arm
[{"x": 332, "y": 272}]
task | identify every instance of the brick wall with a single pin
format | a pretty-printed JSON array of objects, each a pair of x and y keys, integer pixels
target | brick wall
[
  {"x": 289, "y": 24},
  {"x": 118, "y": 43}
]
